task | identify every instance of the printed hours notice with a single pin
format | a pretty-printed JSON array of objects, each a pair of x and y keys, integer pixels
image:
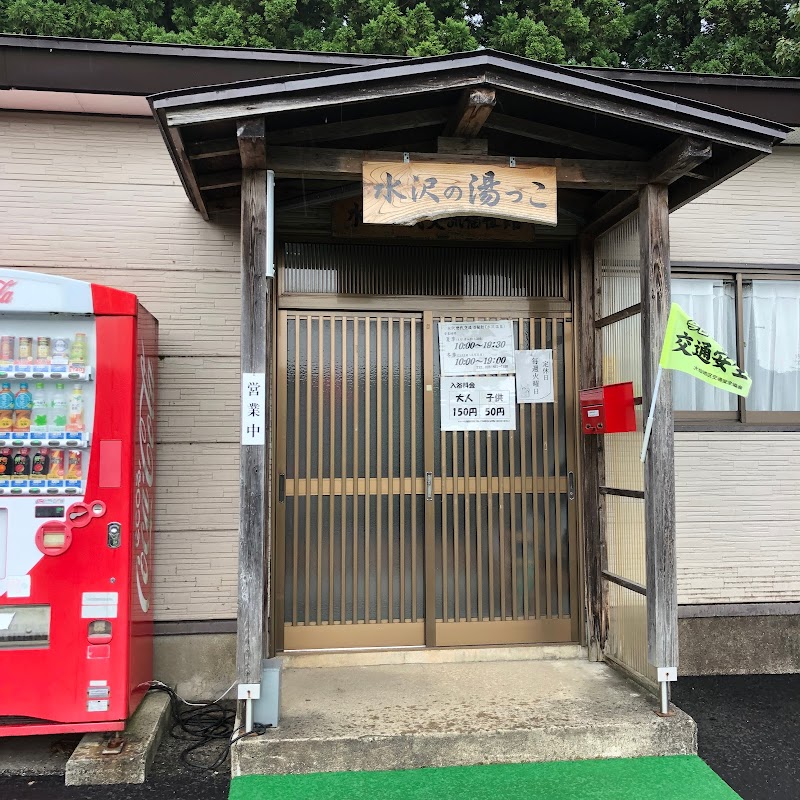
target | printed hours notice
[{"x": 476, "y": 348}]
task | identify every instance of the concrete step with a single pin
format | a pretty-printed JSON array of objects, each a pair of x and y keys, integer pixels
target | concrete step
[
  {"x": 318, "y": 659},
  {"x": 406, "y": 716}
]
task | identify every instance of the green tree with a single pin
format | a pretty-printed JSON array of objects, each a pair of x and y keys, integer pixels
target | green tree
[
  {"x": 787, "y": 51},
  {"x": 755, "y": 36},
  {"x": 728, "y": 36}
]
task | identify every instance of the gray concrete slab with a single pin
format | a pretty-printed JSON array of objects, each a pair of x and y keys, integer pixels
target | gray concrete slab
[
  {"x": 88, "y": 766},
  {"x": 423, "y": 715},
  {"x": 36, "y": 755}
]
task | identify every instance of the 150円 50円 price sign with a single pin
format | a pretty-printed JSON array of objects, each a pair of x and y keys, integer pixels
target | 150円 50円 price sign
[
  {"x": 476, "y": 348},
  {"x": 478, "y": 404}
]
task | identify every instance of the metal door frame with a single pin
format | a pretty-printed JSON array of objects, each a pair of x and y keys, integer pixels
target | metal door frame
[{"x": 426, "y": 307}]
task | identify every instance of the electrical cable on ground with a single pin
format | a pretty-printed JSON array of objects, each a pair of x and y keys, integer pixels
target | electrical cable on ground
[{"x": 202, "y": 724}]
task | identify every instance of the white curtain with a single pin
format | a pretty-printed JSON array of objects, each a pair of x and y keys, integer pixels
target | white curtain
[
  {"x": 772, "y": 344},
  {"x": 712, "y": 305}
]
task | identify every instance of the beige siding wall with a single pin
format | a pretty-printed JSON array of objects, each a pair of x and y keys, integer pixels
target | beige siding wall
[
  {"x": 738, "y": 507},
  {"x": 752, "y": 217},
  {"x": 738, "y": 493},
  {"x": 98, "y": 199}
]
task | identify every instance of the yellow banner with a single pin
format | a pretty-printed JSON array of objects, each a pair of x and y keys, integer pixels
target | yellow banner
[{"x": 690, "y": 349}]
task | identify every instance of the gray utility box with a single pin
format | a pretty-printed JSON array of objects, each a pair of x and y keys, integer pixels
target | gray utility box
[{"x": 266, "y": 710}]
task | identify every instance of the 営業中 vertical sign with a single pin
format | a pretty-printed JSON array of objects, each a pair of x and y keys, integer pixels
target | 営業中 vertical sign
[{"x": 254, "y": 412}]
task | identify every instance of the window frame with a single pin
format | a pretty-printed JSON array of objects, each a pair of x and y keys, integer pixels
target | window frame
[{"x": 738, "y": 275}]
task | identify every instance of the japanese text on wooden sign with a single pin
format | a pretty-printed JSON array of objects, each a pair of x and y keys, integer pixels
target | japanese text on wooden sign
[
  {"x": 403, "y": 194},
  {"x": 254, "y": 412},
  {"x": 479, "y": 403},
  {"x": 476, "y": 348},
  {"x": 534, "y": 376}
]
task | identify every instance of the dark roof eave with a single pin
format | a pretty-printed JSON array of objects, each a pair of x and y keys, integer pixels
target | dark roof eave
[
  {"x": 193, "y": 51},
  {"x": 184, "y": 99}
]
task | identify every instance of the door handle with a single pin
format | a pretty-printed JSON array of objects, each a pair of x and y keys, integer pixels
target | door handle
[
  {"x": 570, "y": 485},
  {"x": 281, "y": 487},
  {"x": 429, "y": 486}
]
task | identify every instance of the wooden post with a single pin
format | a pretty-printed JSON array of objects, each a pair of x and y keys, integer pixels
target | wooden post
[
  {"x": 593, "y": 467},
  {"x": 255, "y": 464},
  {"x": 659, "y": 468}
]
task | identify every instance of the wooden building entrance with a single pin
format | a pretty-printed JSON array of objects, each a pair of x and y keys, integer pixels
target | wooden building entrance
[{"x": 390, "y": 531}]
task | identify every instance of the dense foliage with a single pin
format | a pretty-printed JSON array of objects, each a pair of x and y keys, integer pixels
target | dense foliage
[{"x": 744, "y": 36}]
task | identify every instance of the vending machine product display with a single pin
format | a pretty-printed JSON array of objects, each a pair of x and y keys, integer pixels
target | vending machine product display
[{"x": 77, "y": 471}]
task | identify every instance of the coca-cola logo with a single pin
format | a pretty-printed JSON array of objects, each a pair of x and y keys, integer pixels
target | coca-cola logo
[
  {"x": 7, "y": 290},
  {"x": 143, "y": 482}
]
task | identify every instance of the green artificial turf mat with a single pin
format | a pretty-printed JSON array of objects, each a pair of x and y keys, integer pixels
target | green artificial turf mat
[{"x": 662, "y": 778}]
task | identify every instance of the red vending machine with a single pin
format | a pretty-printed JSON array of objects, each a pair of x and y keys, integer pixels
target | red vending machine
[{"x": 77, "y": 470}]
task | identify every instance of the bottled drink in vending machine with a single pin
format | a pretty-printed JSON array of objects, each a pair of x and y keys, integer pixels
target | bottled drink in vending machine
[
  {"x": 25, "y": 353},
  {"x": 6, "y": 463},
  {"x": 7, "y": 347},
  {"x": 77, "y": 353},
  {"x": 40, "y": 412},
  {"x": 75, "y": 417},
  {"x": 56, "y": 471},
  {"x": 6, "y": 407},
  {"x": 22, "y": 463},
  {"x": 59, "y": 404},
  {"x": 74, "y": 465},
  {"x": 23, "y": 405},
  {"x": 40, "y": 466}
]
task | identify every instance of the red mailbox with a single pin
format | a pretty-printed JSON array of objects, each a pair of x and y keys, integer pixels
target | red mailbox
[{"x": 608, "y": 409}]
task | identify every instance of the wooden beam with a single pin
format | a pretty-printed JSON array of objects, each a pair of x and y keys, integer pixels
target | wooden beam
[
  {"x": 321, "y": 198},
  {"x": 336, "y": 131},
  {"x": 682, "y": 156},
  {"x": 212, "y": 148},
  {"x": 190, "y": 182},
  {"x": 252, "y": 148},
  {"x": 254, "y": 465},
  {"x": 345, "y": 164},
  {"x": 567, "y": 138},
  {"x": 472, "y": 111},
  {"x": 674, "y": 162},
  {"x": 659, "y": 468},
  {"x": 592, "y": 460},
  {"x": 462, "y": 146}
]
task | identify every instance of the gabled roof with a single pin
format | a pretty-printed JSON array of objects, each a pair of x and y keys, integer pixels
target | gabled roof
[{"x": 541, "y": 111}]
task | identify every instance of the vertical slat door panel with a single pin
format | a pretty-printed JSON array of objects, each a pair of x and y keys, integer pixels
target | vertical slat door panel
[
  {"x": 362, "y": 553},
  {"x": 504, "y": 525},
  {"x": 352, "y": 520}
]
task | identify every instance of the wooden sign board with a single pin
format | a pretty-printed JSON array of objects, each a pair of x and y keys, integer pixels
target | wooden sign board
[
  {"x": 403, "y": 194},
  {"x": 348, "y": 222}
]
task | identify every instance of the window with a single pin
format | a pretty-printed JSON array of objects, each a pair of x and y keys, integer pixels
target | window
[
  {"x": 772, "y": 344},
  {"x": 756, "y": 319},
  {"x": 712, "y": 303}
]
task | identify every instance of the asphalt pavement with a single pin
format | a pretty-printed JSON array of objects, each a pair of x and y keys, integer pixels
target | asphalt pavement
[{"x": 748, "y": 732}]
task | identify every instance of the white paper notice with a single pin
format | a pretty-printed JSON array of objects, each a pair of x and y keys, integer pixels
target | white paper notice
[
  {"x": 18, "y": 586},
  {"x": 6, "y": 620},
  {"x": 254, "y": 412},
  {"x": 476, "y": 348},
  {"x": 534, "y": 376},
  {"x": 478, "y": 404}
]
